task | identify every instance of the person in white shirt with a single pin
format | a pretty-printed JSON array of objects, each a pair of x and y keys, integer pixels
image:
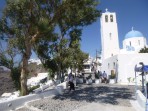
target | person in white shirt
[{"x": 104, "y": 77}]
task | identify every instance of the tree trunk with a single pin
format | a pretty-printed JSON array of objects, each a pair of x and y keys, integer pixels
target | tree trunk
[
  {"x": 24, "y": 71},
  {"x": 24, "y": 90}
]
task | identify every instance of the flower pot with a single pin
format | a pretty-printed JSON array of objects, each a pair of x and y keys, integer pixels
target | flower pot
[
  {"x": 112, "y": 81},
  {"x": 79, "y": 80},
  {"x": 97, "y": 81},
  {"x": 89, "y": 81}
]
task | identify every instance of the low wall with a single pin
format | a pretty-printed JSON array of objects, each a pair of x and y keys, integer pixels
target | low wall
[
  {"x": 141, "y": 99},
  {"x": 20, "y": 101}
]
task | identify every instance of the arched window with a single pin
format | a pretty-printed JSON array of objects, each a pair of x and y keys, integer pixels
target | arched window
[
  {"x": 111, "y": 18},
  {"x": 110, "y": 36},
  {"x": 130, "y": 43},
  {"x": 108, "y": 65},
  {"x": 106, "y": 18},
  {"x": 139, "y": 42},
  {"x": 114, "y": 65}
]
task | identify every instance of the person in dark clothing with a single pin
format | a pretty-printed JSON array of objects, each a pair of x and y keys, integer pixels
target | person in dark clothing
[{"x": 71, "y": 84}]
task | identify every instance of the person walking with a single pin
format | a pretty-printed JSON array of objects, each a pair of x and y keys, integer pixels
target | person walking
[
  {"x": 71, "y": 84},
  {"x": 104, "y": 77}
]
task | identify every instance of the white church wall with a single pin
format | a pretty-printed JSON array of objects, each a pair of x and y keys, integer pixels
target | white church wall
[
  {"x": 121, "y": 61},
  {"x": 110, "y": 64},
  {"x": 123, "y": 65},
  {"x": 109, "y": 35},
  {"x": 126, "y": 65},
  {"x": 134, "y": 44},
  {"x": 124, "y": 51}
]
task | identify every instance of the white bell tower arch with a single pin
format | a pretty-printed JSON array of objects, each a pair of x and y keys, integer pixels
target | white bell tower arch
[{"x": 109, "y": 35}]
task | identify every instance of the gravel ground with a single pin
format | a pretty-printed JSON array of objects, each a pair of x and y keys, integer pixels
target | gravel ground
[
  {"x": 85, "y": 94},
  {"x": 24, "y": 109}
]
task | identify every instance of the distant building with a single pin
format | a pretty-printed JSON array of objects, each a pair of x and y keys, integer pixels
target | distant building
[
  {"x": 114, "y": 59},
  {"x": 92, "y": 65},
  {"x": 88, "y": 65}
]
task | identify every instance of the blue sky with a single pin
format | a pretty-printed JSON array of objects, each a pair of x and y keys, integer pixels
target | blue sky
[{"x": 129, "y": 13}]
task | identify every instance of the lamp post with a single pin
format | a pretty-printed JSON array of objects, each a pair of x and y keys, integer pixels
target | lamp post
[
  {"x": 142, "y": 74},
  {"x": 116, "y": 70}
]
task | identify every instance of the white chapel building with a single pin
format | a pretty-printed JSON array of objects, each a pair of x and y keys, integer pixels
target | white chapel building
[{"x": 120, "y": 61}]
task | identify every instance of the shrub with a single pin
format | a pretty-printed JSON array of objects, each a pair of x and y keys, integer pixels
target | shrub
[
  {"x": 50, "y": 74},
  {"x": 66, "y": 74},
  {"x": 33, "y": 88},
  {"x": 97, "y": 76},
  {"x": 89, "y": 77},
  {"x": 113, "y": 75},
  {"x": 15, "y": 74}
]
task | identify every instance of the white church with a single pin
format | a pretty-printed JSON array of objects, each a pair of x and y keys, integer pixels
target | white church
[{"x": 120, "y": 61}]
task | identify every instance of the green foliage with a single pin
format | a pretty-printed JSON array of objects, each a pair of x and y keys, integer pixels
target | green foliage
[
  {"x": 51, "y": 74},
  {"x": 113, "y": 75},
  {"x": 66, "y": 74},
  {"x": 15, "y": 74},
  {"x": 33, "y": 88},
  {"x": 89, "y": 77},
  {"x": 144, "y": 50},
  {"x": 34, "y": 24},
  {"x": 97, "y": 76},
  {"x": 130, "y": 79},
  {"x": 8, "y": 59}
]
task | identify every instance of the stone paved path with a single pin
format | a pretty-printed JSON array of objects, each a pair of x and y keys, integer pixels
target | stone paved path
[{"x": 101, "y": 97}]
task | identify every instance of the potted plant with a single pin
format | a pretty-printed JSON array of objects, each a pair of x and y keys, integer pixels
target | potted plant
[
  {"x": 97, "y": 78},
  {"x": 79, "y": 79},
  {"x": 89, "y": 80},
  {"x": 131, "y": 81}
]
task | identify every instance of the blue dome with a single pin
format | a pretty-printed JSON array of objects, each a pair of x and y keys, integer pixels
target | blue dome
[{"x": 133, "y": 33}]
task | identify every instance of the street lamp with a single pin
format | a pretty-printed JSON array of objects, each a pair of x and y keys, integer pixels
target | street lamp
[
  {"x": 116, "y": 70},
  {"x": 142, "y": 74}
]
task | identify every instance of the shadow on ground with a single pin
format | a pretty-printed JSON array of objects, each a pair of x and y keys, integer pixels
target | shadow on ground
[{"x": 104, "y": 94}]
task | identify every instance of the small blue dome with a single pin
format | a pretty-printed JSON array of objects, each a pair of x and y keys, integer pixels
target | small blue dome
[{"x": 133, "y": 33}]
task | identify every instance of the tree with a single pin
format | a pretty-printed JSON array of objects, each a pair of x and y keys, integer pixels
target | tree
[
  {"x": 69, "y": 24},
  {"x": 144, "y": 50},
  {"x": 77, "y": 56},
  {"x": 23, "y": 20},
  {"x": 9, "y": 57},
  {"x": 34, "y": 24}
]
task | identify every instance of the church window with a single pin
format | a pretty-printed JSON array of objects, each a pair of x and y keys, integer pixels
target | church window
[
  {"x": 139, "y": 42},
  {"x": 106, "y": 18},
  {"x": 130, "y": 43},
  {"x": 108, "y": 65},
  {"x": 114, "y": 64},
  {"x": 110, "y": 36},
  {"x": 111, "y": 18}
]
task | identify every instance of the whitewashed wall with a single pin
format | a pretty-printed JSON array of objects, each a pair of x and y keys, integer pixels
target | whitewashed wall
[
  {"x": 136, "y": 42},
  {"x": 125, "y": 64},
  {"x": 109, "y": 35}
]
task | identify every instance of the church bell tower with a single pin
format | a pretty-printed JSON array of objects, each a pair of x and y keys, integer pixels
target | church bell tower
[{"x": 109, "y": 35}]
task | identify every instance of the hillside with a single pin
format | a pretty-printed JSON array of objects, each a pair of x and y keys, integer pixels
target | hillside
[{"x": 6, "y": 83}]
